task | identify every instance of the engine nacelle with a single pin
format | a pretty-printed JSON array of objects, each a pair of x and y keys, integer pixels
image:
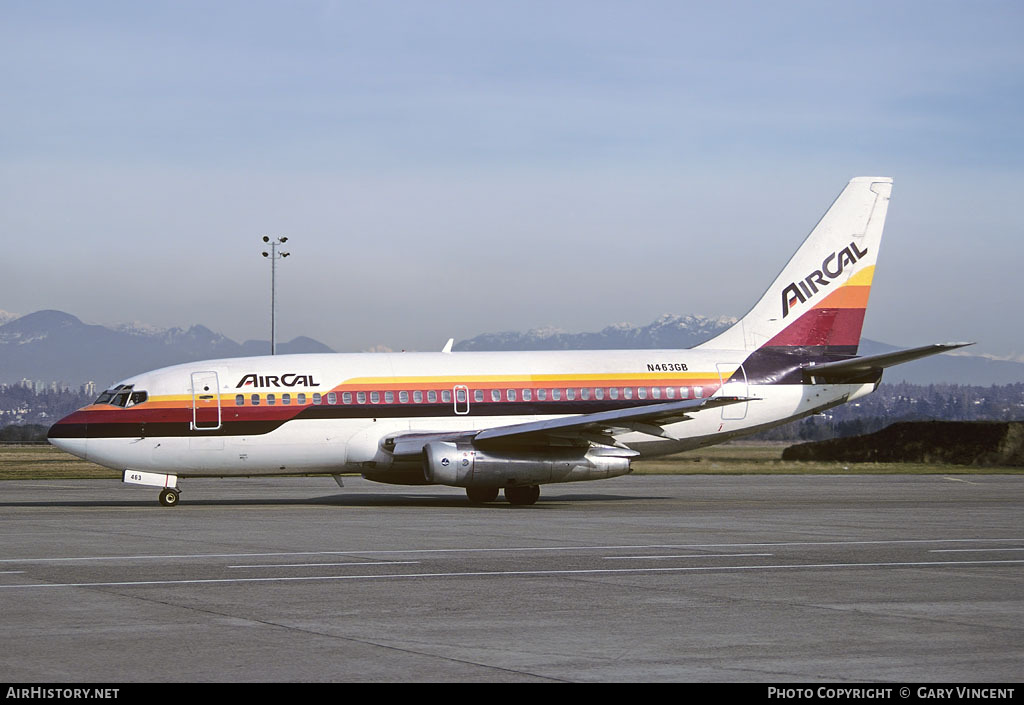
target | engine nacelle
[{"x": 465, "y": 465}]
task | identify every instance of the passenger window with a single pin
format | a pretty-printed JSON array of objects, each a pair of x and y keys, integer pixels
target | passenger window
[
  {"x": 432, "y": 396},
  {"x": 239, "y": 400},
  {"x": 271, "y": 400},
  {"x": 301, "y": 399},
  {"x": 670, "y": 392},
  {"x": 332, "y": 398},
  {"x": 527, "y": 395},
  {"x": 286, "y": 399},
  {"x": 495, "y": 395},
  {"x": 403, "y": 397},
  {"x": 627, "y": 393},
  {"x": 346, "y": 397},
  {"x": 375, "y": 397},
  {"x": 599, "y": 393},
  {"x": 656, "y": 392},
  {"x": 360, "y": 397},
  {"x": 255, "y": 398},
  {"x": 556, "y": 394},
  {"x": 417, "y": 397},
  {"x": 542, "y": 394},
  {"x": 446, "y": 396},
  {"x": 389, "y": 397},
  {"x": 641, "y": 392},
  {"x": 698, "y": 392},
  {"x": 585, "y": 394},
  {"x": 317, "y": 398},
  {"x": 570, "y": 394},
  {"x": 613, "y": 393},
  {"x": 510, "y": 394},
  {"x": 684, "y": 392}
]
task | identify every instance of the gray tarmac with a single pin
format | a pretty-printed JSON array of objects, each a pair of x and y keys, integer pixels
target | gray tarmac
[{"x": 772, "y": 579}]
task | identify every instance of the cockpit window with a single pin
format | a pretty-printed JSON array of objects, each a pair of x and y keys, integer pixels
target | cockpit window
[{"x": 122, "y": 395}]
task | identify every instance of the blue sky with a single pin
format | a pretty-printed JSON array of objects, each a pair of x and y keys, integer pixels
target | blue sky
[{"x": 451, "y": 168}]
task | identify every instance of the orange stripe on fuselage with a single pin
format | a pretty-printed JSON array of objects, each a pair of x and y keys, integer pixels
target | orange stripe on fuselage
[
  {"x": 360, "y": 384},
  {"x": 473, "y": 382}
]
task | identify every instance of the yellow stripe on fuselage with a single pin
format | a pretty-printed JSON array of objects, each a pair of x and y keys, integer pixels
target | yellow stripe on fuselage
[
  {"x": 514, "y": 380},
  {"x": 640, "y": 379}
]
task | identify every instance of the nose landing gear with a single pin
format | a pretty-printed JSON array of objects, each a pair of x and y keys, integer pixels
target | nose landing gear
[{"x": 169, "y": 497}]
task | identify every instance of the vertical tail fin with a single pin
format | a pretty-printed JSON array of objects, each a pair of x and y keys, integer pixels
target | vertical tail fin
[{"x": 816, "y": 305}]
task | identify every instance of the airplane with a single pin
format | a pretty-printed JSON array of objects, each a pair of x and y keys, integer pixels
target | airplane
[{"x": 509, "y": 421}]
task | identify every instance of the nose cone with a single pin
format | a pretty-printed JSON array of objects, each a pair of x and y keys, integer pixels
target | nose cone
[{"x": 71, "y": 434}]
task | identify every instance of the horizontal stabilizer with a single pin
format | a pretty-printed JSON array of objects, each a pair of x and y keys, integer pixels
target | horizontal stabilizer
[{"x": 858, "y": 367}]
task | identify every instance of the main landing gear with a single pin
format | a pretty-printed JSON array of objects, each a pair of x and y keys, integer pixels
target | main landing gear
[{"x": 521, "y": 495}]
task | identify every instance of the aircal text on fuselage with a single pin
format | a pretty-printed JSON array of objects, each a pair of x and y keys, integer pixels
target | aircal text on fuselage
[{"x": 289, "y": 379}]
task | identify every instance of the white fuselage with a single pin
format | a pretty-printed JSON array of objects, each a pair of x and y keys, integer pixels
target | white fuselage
[{"x": 330, "y": 413}]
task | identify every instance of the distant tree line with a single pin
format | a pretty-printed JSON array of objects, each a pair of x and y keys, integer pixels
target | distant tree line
[
  {"x": 21, "y": 405},
  {"x": 892, "y": 403},
  {"x": 29, "y": 433}
]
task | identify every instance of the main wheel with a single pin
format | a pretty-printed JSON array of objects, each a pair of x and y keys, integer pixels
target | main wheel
[
  {"x": 522, "y": 495},
  {"x": 169, "y": 497},
  {"x": 481, "y": 495}
]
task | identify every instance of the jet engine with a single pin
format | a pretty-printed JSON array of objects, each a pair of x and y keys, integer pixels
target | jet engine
[{"x": 465, "y": 465}]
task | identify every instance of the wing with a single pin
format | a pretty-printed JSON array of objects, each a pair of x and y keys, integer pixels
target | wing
[{"x": 568, "y": 430}]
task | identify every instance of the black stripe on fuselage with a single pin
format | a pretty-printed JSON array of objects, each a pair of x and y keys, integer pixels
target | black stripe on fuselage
[
  {"x": 784, "y": 364},
  {"x": 139, "y": 428}
]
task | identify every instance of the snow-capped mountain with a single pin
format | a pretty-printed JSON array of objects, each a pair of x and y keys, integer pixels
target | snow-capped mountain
[
  {"x": 667, "y": 332},
  {"x": 56, "y": 346}
]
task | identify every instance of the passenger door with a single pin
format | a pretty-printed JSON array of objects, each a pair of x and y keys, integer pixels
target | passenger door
[{"x": 206, "y": 412}]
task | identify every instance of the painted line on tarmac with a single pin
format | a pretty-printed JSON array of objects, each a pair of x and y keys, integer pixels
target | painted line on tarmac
[
  {"x": 970, "y": 550},
  {"x": 688, "y": 555},
  {"x": 509, "y": 573},
  {"x": 316, "y": 565},
  {"x": 508, "y": 549}
]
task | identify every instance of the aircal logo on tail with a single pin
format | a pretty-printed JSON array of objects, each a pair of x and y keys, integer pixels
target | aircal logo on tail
[
  {"x": 286, "y": 380},
  {"x": 831, "y": 268}
]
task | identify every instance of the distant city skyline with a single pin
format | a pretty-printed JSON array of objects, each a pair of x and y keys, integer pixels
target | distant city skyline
[{"x": 448, "y": 169}]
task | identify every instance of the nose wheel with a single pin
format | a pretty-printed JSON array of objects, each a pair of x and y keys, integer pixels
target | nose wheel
[{"x": 169, "y": 497}]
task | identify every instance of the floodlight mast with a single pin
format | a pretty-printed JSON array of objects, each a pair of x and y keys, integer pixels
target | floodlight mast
[{"x": 273, "y": 256}]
